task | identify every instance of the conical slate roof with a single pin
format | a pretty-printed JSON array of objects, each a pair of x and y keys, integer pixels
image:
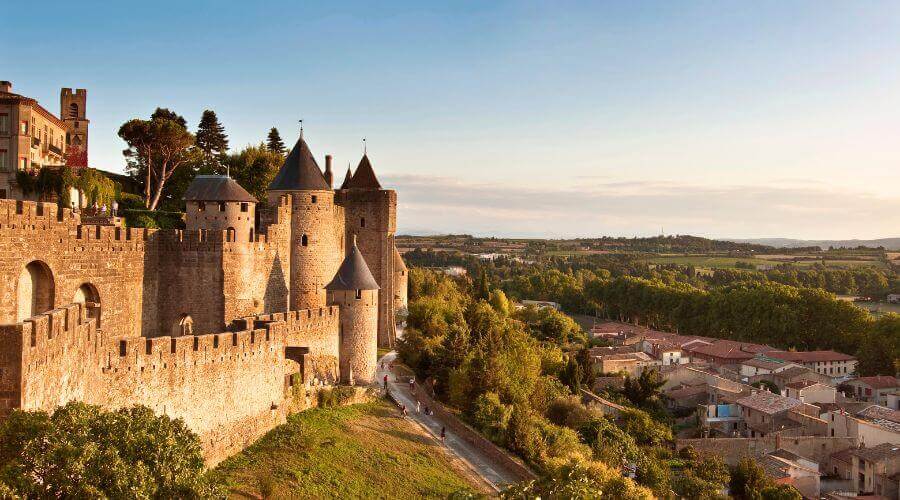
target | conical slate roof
[
  {"x": 216, "y": 188},
  {"x": 347, "y": 178},
  {"x": 354, "y": 273},
  {"x": 300, "y": 171},
  {"x": 399, "y": 265},
  {"x": 364, "y": 178}
]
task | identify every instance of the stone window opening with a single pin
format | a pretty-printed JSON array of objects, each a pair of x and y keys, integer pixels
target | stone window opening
[
  {"x": 314, "y": 198},
  {"x": 362, "y": 222},
  {"x": 201, "y": 206},
  {"x": 184, "y": 326},
  {"x": 245, "y": 207},
  {"x": 251, "y": 234},
  {"x": 73, "y": 110},
  {"x": 358, "y": 294},
  {"x": 221, "y": 206},
  {"x": 304, "y": 240},
  {"x": 230, "y": 234}
]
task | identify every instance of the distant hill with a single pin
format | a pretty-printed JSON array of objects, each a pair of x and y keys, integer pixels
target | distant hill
[{"x": 888, "y": 243}]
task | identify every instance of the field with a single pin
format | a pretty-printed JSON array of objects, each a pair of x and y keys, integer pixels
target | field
[
  {"x": 359, "y": 451},
  {"x": 712, "y": 261}
]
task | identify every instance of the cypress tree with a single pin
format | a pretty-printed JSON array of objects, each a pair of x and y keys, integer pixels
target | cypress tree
[
  {"x": 274, "y": 143},
  {"x": 211, "y": 138}
]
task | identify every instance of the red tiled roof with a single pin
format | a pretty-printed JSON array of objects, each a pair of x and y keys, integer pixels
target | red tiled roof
[
  {"x": 730, "y": 349},
  {"x": 810, "y": 356},
  {"x": 878, "y": 381}
]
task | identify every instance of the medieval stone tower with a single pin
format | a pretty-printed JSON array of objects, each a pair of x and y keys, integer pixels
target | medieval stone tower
[
  {"x": 219, "y": 203},
  {"x": 317, "y": 226},
  {"x": 355, "y": 291},
  {"x": 371, "y": 213},
  {"x": 72, "y": 108}
]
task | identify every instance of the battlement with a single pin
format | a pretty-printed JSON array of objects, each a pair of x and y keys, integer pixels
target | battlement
[
  {"x": 53, "y": 328},
  {"x": 29, "y": 214},
  {"x": 77, "y": 92}
]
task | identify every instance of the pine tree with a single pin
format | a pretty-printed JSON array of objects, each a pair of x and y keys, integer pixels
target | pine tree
[
  {"x": 274, "y": 143},
  {"x": 211, "y": 138}
]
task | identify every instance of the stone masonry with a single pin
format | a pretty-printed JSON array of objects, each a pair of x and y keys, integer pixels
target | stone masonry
[{"x": 213, "y": 324}]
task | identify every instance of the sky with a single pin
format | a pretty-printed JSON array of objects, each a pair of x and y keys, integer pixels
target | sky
[{"x": 533, "y": 119}]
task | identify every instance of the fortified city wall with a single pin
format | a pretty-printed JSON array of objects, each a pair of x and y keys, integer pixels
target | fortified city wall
[{"x": 229, "y": 387}]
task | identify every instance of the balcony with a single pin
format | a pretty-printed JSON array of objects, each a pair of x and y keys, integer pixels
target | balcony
[
  {"x": 35, "y": 142},
  {"x": 55, "y": 150}
]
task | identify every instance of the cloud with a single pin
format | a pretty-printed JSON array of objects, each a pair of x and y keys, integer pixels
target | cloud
[{"x": 628, "y": 208}]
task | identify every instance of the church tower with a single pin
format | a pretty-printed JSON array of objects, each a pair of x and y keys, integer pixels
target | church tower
[
  {"x": 355, "y": 291},
  {"x": 72, "y": 111}
]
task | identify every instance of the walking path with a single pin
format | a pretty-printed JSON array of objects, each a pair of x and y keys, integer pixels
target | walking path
[{"x": 491, "y": 472}]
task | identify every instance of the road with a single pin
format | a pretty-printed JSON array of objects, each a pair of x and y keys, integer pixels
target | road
[{"x": 492, "y": 473}]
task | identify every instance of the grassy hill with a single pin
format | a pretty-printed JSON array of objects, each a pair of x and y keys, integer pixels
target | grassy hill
[{"x": 359, "y": 451}]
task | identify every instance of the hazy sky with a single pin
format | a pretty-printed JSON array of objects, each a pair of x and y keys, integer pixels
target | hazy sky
[{"x": 729, "y": 119}]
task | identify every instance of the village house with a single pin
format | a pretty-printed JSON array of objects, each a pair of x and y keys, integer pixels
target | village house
[
  {"x": 630, "y": 363},
  {"x": 763, "y": 365},
  {"x": 874, "y": 470},
  {"x": 870, "y": 426},
  {"x": 836, "y": 365},
  {"x": 874, "y": 389},
  {"x": 766, "y": 413},
  {"x": 785, "y": 467},
  {"x": 811, "y": 392}
]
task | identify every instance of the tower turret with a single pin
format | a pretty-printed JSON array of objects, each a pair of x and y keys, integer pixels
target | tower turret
[
  {"x": 317, "y": 226},
  {"x": 218, "y": 202},
  {"x": 355, "y": 291}
]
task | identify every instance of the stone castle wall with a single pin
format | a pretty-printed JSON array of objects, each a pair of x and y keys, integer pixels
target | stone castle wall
[
  {"x": 118, "y": 262},
  {"x": 229, "y": 387}
]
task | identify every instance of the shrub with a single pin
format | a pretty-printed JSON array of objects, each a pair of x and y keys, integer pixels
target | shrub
[
  {"x": 83, "y": 451},
  {"x": 336, "y": 396},
  {"x": 491, "y": 417}
]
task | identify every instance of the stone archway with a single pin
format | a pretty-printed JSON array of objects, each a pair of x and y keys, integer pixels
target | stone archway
[
  {"x": 88, "y": 295},
  {"x": 34, "y": 290}
]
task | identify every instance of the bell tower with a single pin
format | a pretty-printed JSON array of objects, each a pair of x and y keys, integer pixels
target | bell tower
[{"x": 72, "y": 111}]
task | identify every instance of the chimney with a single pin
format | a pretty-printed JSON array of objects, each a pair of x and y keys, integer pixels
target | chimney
[
  {"x": 329, "y": 176},
  {"x": 6, "y": 86}
]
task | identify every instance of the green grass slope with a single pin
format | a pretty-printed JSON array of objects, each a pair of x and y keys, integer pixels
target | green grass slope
[{"x": 359, "y": 451}]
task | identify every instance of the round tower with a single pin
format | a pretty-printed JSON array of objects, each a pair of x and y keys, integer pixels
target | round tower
[
  {"x": 217, "y": 202},
  {"x": 317, "y": 226},
  {"x": 355, "y": 291}
]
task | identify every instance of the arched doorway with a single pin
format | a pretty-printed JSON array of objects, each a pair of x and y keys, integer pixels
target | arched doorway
[
  {"x": 88, "y": 295},
  {"x": 34, "y": 290}
]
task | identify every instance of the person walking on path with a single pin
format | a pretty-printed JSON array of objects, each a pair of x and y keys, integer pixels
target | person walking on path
[
  {"x": 443, "y": 435},
  {"x": 418, "y": 406},
  {"x": 385, "y": 382},
  {"x": 115, "y": 208},
  {"x": 412, "y": 384}
]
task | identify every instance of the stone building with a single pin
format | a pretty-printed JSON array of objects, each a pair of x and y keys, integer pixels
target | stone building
[
  {"x": 32, "y": 138},
  {"x": 216, "y": 323}
]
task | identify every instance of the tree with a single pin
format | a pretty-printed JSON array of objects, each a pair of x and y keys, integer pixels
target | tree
[
  {"x": 167, "y": 114},
  {"x": 83, "y": 451},
  {"x": 644, "y": 388},
  {"x": 158, "y": 147},
  {"x": 748, "y": 480},
  {"x": 211, "y": 138},
  {"x": 879, "y": 350},
  {"x": 274, "y": 142},
  {"x": 253, "y": 168}
]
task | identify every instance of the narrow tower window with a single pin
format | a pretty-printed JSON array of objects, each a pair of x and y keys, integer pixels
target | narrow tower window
[
  {"x": 314, "y": 198},
  {"x": 362, "y": 222},
  {"x": 304, "y": 240},
  {"x": 358, "y": 294}
]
